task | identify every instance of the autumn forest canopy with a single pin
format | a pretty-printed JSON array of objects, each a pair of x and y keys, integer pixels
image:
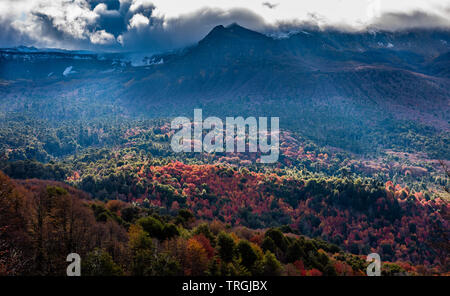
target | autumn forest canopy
[{"x": 86, "y": 164}]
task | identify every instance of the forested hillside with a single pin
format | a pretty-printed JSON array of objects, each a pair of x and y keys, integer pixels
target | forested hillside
[
  {"x": 42, "y": 221},
  {"x": 87, "y": 167}
]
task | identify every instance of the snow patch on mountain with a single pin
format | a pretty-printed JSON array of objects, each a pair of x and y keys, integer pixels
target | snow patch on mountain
[{"x": 68, "y": 71}]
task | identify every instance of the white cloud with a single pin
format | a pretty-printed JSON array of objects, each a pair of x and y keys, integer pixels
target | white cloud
[
  {"x": 102, "y": 9},
  {"x": 138, "y": 5},
  {"x": 350, "y": 12},
  {"x": 138, "y": 21},
  {"x": 69, "y": 17},
  {"x": 102, "y": 37}
]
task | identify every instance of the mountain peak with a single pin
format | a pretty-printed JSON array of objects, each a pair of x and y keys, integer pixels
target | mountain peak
[
  {"x": 216, "y": 32},
  {"x": 240, "y": 30},
  {"x": 217, "y": 29},
  {"x": 234, "y": 26},
  {"x": 232, "y": 31}
]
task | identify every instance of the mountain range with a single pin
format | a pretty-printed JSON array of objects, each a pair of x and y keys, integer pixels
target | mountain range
[{"x": 371, "y": 80}]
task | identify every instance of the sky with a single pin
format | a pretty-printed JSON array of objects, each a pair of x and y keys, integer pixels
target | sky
[{"x": 161, "y": 25}]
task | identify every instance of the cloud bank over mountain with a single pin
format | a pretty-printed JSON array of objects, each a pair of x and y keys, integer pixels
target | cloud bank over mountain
[
  {"x": 414, "y": 20},
  {"x": 137, "y": 25}
]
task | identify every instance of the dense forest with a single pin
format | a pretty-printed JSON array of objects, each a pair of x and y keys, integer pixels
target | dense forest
[
  {"x": 116, "y": 194},
  {"x": 43, "y": 221}
]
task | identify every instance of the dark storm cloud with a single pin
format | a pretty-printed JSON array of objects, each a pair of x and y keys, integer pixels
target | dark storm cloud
[
  {"x": 112, "y": 25},
  {"x": 10, "y": 36},
  {"x": 112, "y": 18},
  {"x": 130, "y": 25},
  {"x": 172, "y": 33},
  {"x": 414, "y": 20},
  {"x": 386, "y": 22},
  {"x": 48, "y": 29}
]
